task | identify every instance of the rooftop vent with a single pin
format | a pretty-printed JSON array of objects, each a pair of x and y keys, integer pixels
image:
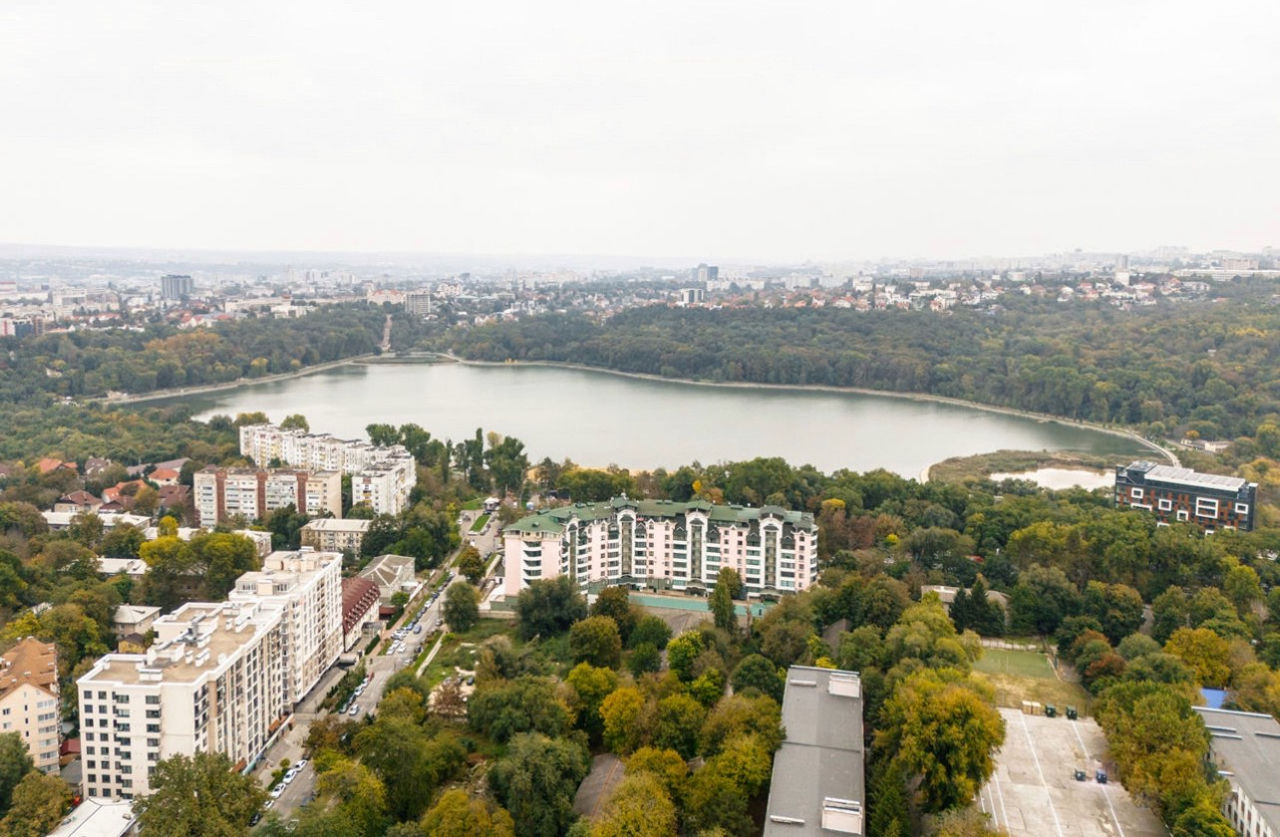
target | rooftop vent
[
  {"x": 844, "y": 685},
  {"x": 843, "y": 816}
]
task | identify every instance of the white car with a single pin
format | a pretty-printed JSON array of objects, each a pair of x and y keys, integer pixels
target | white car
[
  {"x": 276, "y": 791},
  {"x": 301, "y": 764}
]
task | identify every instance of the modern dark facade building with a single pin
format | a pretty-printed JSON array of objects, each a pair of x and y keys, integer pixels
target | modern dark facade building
[{"x": 1180, "y": 495}]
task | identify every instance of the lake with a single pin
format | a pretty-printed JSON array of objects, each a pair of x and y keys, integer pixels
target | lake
[{"x": 597, "y": 419}]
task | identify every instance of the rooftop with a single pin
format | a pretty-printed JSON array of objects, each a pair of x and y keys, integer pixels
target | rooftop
[
  {"x": 30, "y": 661},
  {"x": 338, "y": 524},
  {"x": 97, "y": 818},
  {"x": 1185, "y": 476},
  {"x": 1246, "y": 748},
  {"x": 133, "y": 614},
  {"x": 818, "y": 781},
  {"x": 554, "y": 520}
]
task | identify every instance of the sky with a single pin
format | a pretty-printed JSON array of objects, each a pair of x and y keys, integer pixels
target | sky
[{"x": 712, "y": 130}]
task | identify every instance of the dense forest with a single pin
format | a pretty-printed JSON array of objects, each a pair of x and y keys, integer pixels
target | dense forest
[
  {"x": 92, "y": 363},
  {"x": 1209, "y": 367}
]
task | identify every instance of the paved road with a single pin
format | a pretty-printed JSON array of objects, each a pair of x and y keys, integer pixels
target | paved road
[{"x": 380, "y": 666}]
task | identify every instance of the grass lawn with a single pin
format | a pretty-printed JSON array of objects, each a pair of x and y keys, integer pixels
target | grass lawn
[
  {"x": 473, "y": 505},
  {"x": 480, "y": 523},
  {"x": 1027, "y": 675}
]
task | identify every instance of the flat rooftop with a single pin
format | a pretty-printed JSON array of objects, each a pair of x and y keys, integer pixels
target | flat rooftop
[
  {"x": 1171, "y": 475},
  {"x": 1246, "y": 747},
  {"x": 819, "y": 769},
  {"x": 338, "y": 524}
]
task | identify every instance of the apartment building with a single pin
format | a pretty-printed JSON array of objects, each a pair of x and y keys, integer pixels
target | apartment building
[
  {"x": 1245, "y": 749},
  {"x": 213, "y": 681},
  {"x": 1181, "y": 495},
  {"x": 29, "y": 699},
  {"x": 307, "y": 586},
  {"x": 223, "y": 493},
  {"x": 331, "y": 534},
  {"x": 663, "y": 543},
  {"x": 381, "y": 475}
]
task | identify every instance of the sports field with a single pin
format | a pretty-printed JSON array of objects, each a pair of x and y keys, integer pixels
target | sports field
[{"x": 1021, "y": 663}]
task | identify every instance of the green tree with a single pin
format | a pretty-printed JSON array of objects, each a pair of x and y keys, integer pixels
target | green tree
[
  {"x": 682, "y": 652},
  {"x": 502, "y": 709},
  {"x": 462, "y": 607},
  {"x": 677, "y": 724},
  {"x": 221, "y": 558},
  {"x": 712, "y": 801},
  {"x": 410, "y": 763},
  {"x": 39, "y": 803},
  {"x": 1205, "y": 652},
  {"x": 355, "y": 789},
  {"x": 740, "y": 714},
  {"x": 650, "y": 629},
  {"x": 722, "y": 608},
  {"x": 596, "y": 640},
  {"x": 171, "y": 572},
  {"x": 122, "y": 541},
  {"x": 591, "y": 685},
  {"x": 537, "y": 781},
  {"x": 615, "y": 602},
  {"x": 15, "y": 763},
  {"x": 548, "y": 607},
  {"x": 757, "y": 672},
  {"x": 296, "y": 421},
  {"x": 624, "y": 714},
  {"x": 645, "y": 659},
  {"x": 470, "y": 564},
  {"x": 198, "y": 796}
]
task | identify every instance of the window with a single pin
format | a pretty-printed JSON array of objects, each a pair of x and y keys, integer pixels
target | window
[
  {"x": 1182, "y": 514},
  {"x": 1242, "y": 508},
  {"x": 1166, "y": 505},
  {"x": 1135, "y": 493},
  {"x": 1206, "y": 507}
]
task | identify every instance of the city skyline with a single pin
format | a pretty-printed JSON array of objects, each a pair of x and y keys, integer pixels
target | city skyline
[{"x": 716, "y": 133}]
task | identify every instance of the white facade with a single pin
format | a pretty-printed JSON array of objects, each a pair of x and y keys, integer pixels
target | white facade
[
  {"x": 335, "y": 534},
  {"x": 29, "y": 699},
  {"x": 386, "y": 474},
  {"x": 663, "y": 543},
  {"x": 307, "y": 585},
  {"x": 214, "y": 681}
]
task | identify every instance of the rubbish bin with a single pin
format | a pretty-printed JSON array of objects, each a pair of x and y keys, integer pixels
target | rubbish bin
[
  {"x": 1071, "y": 713},
  {"x": 1050, "y": 711}
]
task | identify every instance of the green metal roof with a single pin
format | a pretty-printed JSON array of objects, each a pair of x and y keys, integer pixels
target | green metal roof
[{"x": 554, "y": 520}]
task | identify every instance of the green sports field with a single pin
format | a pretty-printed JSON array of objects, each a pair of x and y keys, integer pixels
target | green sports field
[{"x": 1020, "y": 663}]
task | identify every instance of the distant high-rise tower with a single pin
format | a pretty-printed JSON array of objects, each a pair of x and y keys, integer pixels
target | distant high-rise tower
[
  {"x": 174, "y": 286},
  {"x": 1122, "y": 262},
  {"x": 707, "y": 273}
]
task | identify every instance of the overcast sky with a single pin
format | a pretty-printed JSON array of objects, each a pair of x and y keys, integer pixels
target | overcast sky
[{"x": 783, "y": 130}]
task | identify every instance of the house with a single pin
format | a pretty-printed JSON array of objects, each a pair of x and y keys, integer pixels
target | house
[
  {"x": 48, "y": 465},
  {"x": 335, "y": 534},
  {"x": 392, "y": 574},
  {"x": 98, "y": 818},
  {"x": 95, "y": 465},
  {"x": 77, "y": 501},
  {"x": 133, "y": 619},
  {"x": 360, "y": 598},
  {"x": 163, "y": 476},
  {"x": 818, "y": 773},
  {"x": 29, "y": 699}
]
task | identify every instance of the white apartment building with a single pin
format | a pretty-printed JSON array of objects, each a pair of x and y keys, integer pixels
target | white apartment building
[
  {"x": 386, "y": 474},
  {"x": 333, "y": 534},
  {"x": 222, "y": 493},
  {"x": 29, "y": 699},
  {"x": 307, "y": 586},
  {"x": 663, "y": 543},
  {"x": 213, "y": 681}
]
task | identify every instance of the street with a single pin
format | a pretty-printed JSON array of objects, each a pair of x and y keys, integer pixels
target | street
[{"x": 380, "y": 668}]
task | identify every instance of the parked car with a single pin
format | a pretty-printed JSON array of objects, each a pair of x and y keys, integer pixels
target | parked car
[
  {"x": 1101, "y": 776},
  {"x": 276, "y": 791},
  {"x": 301, "y": 764},
  {"x": 355, "y": 710}
]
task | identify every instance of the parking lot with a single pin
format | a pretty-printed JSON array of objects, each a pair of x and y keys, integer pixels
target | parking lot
[{"x": 1034, "y": 792}]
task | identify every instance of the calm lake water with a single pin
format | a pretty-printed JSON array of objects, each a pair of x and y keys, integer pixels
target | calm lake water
[{"x": 596, "y": 418}]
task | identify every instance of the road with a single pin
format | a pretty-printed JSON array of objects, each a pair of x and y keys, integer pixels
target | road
[{"x": 379, "y": 666}]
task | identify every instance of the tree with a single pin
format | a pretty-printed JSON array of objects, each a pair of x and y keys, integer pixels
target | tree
[
  {"x": 470, "y": 564},
  {"x": 591, "y": 685},
  {"x": 39, "y": 803},
  {"x": 357, "y": 792},
  {"x": 202, "y": 795},
  {"x": 615, "y": 602},
  {"x": 461, "y": 607},
  {"x": 296, "y": 421},
  {"x": 757, "y": 672},
  {"x": 677, "y": 724},
  {"x": 645, "y": 658},
  {"x": 410, "y": 763},
  {"x": 508, "y": 463},
  {"x": 503, "y": 709},
  {"x": 938, "y": 727},
  {"x": 1205, "y": 652},
  {"x": 746, "y": 761},
  {"x": 548, "y": 607},
  {"x": 595, "y": 640},
  {"x": 221, "y": 558},
  {"x": 458, "y": 815},
  {"x": 640, "y": 806},
  {"x": 1118, "y": 608},
  {"x": 15, "y": 762},
  {"x": 650, "y": 629},
  {"x": 713, "y": 801},
  {"x": 624, "y": 714},
  {"x": 722, "y": 611},
  {"x": 537, "y": 781},
  {"x": 681, "y": 653},
  {"x": 122, "y": 541},
  {"x": 1041, "y": 599},
  {"x": 171, "y": 572},
  {"x": 739, "y": 714},
  {"x": 665, "y": 764}
]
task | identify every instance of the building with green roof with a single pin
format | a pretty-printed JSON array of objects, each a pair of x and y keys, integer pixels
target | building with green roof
[{"x": 663, "y": 543}]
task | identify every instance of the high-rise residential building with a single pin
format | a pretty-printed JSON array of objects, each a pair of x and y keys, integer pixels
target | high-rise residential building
[
  {"x": 663, "y": 543},
  {"x": 29, "y": 699},
  {"x": 214, "y": 680},
  {"x": 307, "y": 586},
  {"x": 223, "y": 493},
  {"x": 1180, "y": 495},
  {"x": 417, "y": 303},
  {"x": 381, "y": 475},
  {"x": 175, "y": 286},
  {"x": 705, "y": 273}
]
